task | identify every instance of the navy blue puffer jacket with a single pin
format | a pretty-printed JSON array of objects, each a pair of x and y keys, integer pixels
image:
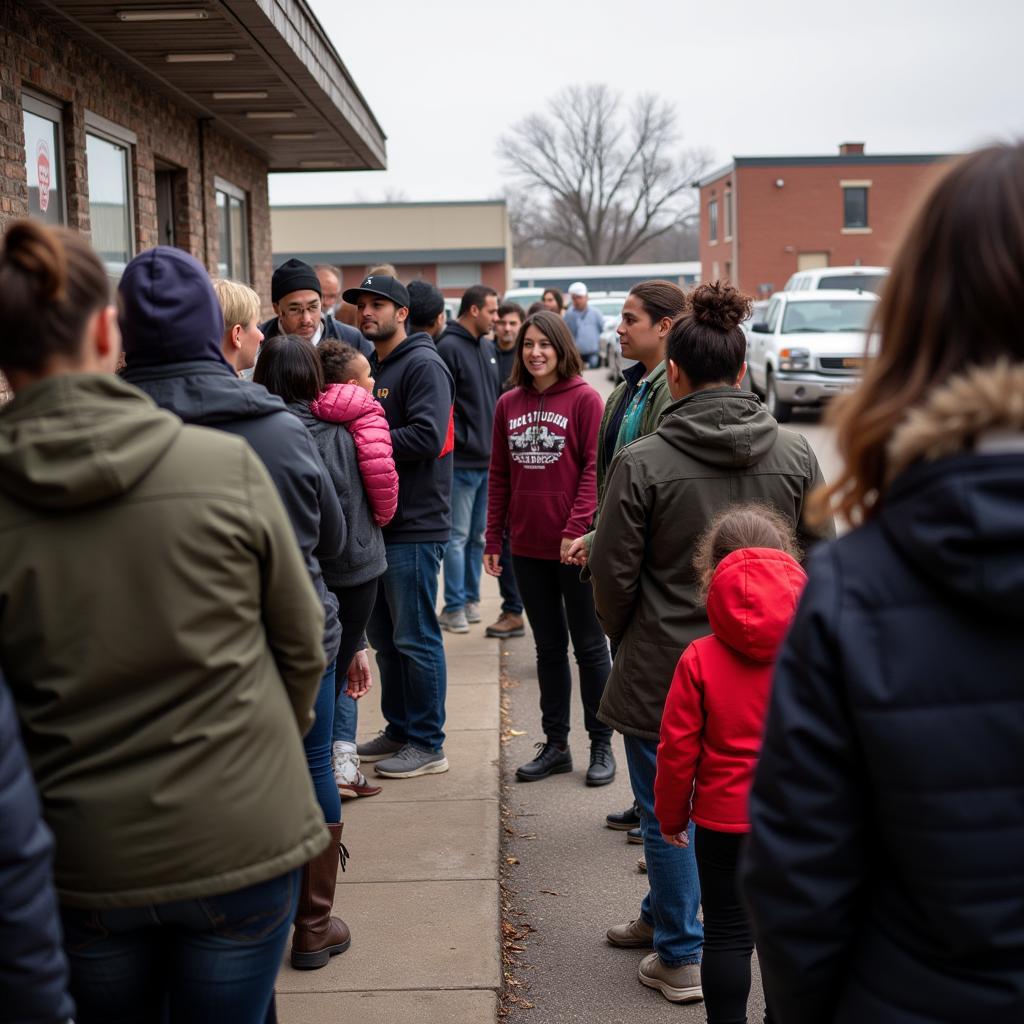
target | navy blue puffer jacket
[
  {"x": 33, "y": 971},
  {"x": 885, "y": 870}
]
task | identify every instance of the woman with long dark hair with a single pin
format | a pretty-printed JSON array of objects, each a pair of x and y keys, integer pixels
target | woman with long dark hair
[
  {"x": 887, "y": 814},
  {"x": 163, "y": 645},
  {"x": 543, "y": 490}
]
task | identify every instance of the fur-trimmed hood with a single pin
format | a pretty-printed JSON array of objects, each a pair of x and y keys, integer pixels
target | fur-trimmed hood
[
  {"x": 955, "y": 505},
  {"x": 983, "y": 402}
]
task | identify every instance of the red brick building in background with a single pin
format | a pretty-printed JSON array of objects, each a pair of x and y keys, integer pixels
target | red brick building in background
[{"x": 764, "y": 218}]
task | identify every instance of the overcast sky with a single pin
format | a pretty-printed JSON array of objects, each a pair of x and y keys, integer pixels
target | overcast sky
[{"x": 749, "y": 77}]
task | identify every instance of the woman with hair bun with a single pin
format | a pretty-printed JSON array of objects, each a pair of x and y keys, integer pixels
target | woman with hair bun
[
  {"x": 715, "y": 446},
  {"x": 163, "y": 645}
]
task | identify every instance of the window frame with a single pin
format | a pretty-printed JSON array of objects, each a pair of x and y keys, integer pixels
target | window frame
[
  {"x": 859, "y": 186},
  {"x": 713, "y": 221},
  {"x": 50, "y": 110},
  {"x": 117, "y": 135},
  {"x": 234, "y": 193}
]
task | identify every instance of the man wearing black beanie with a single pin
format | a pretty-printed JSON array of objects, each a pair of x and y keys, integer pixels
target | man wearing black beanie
[{"x": 298, "y": 302}]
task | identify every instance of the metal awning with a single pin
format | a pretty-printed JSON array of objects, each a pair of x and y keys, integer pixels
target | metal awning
[{"x": 263, "y": 71}]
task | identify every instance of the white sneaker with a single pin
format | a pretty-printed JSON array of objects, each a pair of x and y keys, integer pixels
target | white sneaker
[
  {"x": 472, "y": 612},
  {"x": 346, "y": 762},
  {"x": 454, "y": 622}
]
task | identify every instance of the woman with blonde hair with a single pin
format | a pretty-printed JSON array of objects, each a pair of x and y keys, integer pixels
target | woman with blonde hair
[{"x": 884, "y": 867}]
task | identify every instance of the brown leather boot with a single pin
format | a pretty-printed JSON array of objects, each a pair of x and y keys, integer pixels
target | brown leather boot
[{"x": 318, "y": 936}]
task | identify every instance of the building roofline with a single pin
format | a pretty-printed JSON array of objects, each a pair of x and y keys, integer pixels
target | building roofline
[
  {"x": 851, "y": 160},
  {"x": 380, "y": 206},
  {"x": 397, "y": 256}
]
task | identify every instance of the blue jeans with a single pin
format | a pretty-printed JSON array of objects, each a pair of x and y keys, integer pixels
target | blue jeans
[
  {"x": 317, "y": 743},
  {"x": 672, "y": 902},
  {"x": 464, "y": 556},
  {"x": 354, "y": 606},
  {"x": 403, "y": 630},
  {"x": 510, "y": 600},
  {"x": 202, "y": 961}
]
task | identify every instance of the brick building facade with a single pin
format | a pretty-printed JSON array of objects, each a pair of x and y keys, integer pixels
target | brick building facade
[
  {"x": 137, "y": 127},
  {"x": 764, "y": 218}
]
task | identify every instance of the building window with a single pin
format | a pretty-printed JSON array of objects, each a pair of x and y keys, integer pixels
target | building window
[
  {"x": 44, "y": 159},
  {"x": 713, "y": 221},
  {"x": 108, "y": 153},
  {"x": 232, "y": 231},
  {"x": 855, "y": 206},
  {"x": 727, "y": 213},
  {"x": 458, "y": 275}
]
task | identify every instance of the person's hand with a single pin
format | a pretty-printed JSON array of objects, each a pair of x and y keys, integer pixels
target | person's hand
[
  {"x": 563, "y": 553},
  {"x": 492, "y": 565},
  {"x": 359, "y": 678},
  {"x": 577, "y": 553},
  {"x": 680, "y": 839}
]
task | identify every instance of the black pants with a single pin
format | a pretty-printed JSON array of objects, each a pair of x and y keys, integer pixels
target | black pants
[
  {"x": 728, "y": 940},
  {"x": 559, "y": 605},
  {"x": 354, "y": 607}
]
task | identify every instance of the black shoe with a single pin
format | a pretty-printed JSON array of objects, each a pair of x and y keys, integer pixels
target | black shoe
[
  {"x": 625, "y": 820},
  {"x": 634, "y": 835},
  {"x": 551, "y": 759},
  {"x": 602, "y": 764}
]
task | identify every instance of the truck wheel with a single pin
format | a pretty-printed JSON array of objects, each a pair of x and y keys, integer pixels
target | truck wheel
[{"x": 782, "y": 411}]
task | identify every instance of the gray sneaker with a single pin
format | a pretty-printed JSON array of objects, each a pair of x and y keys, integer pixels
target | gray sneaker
[
  {"x": 454, "y": 622},
  {"x": 677, "y": 984},
  {"x": 410, "y": 761},
  {"x": 472, "y": 612},
  {"x": 381, "y": 746}
]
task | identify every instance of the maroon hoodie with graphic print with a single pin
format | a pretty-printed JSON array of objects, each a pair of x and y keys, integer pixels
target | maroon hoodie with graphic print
[{"x": 543, "y": 475}]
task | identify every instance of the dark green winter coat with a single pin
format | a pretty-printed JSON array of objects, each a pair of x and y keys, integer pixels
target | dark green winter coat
[
  {"x": 714, "y": 448},
  {"x": 162, "y": 641}
]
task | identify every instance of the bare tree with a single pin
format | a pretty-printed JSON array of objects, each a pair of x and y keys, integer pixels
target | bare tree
[{"x": 598, "y": 178}]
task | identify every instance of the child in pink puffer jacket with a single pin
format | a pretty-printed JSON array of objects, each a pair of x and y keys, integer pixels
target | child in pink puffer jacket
[{"x": 348, "y": 399}]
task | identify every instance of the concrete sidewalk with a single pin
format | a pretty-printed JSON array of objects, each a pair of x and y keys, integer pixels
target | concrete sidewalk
[{"x": 421, "y": 889}]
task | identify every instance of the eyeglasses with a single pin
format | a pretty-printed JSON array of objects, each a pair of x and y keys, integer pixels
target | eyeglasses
[{"x": 313, "y": 308}]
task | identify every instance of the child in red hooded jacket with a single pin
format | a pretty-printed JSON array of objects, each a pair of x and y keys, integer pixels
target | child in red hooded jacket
[
  {"x": 543, "y": 489},
  {"x": 712, "y": 725}
]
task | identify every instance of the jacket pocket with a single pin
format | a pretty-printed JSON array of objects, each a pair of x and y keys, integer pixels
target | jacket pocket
[{"x": 542, "y": 515}]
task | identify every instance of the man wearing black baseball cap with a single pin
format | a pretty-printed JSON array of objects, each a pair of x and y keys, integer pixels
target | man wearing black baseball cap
[
  {"x": 297, "y": 295},
  {"x": 418, "y": 394}
]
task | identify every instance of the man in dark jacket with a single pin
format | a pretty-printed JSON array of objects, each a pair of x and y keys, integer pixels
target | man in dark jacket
[
  {"x": 511, "y": 317},
  {"x": 297, "y": 295},
  {"x": 473, "y": 362},
  {"x": 171, "y": 354},
  {"x": 716, "y": 446},
  {"x": 417, "y": 393},
  {"x": 33, "y": 971}
]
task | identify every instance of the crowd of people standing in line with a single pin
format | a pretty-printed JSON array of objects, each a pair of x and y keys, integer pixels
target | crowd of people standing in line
[{"x": 822, "y": 738}]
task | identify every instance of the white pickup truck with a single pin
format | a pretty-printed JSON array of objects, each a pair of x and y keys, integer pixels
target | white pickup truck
[{"x": 810, "y": 346}]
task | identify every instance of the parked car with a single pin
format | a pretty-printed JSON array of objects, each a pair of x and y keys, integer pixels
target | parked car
[
  {"x": 609, "y": 305},
  {"x": 810, "y": 347},
  {"x": 868, "y": 279}
]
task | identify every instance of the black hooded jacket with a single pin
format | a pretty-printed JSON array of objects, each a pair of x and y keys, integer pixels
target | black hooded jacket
[
  {"x": 473, "y": 363},
  {"x": 885, "y": 871},
  {"x": 208, "y": 394},
  {"x": 418, "y": 394}
]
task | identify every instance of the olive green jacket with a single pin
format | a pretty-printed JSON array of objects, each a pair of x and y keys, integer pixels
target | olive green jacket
[
  {"x": 714, "y": 448},
  {"x": 162, "y": 641}
]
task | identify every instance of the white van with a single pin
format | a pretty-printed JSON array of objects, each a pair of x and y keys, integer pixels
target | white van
[{"x": 858, "y": 279}]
